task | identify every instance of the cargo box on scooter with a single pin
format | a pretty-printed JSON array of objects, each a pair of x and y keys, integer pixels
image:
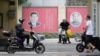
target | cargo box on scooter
[{"x": 6, "y": 33}]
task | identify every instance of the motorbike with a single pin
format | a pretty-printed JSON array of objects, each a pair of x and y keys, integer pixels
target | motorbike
[
  {"x": 82, "y": 45},
  {"x": 14, "y": 44},
  {"x": 63, "y": 36}
]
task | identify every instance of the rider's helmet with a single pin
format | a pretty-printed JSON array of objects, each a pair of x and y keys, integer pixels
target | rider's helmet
[{"x": 21, "y": 20}]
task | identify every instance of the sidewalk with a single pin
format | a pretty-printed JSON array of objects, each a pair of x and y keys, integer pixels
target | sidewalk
[
  {"x": 55, "y": 40},
  {"x": 52, "y": 40}
]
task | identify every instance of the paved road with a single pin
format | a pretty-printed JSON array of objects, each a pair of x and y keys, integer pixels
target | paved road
[{"x": 55, "y": 49}]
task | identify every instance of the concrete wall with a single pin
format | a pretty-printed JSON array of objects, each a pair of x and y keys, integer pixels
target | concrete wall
[
  {"x": 3, "y": 10},
  {"x": 45, "y": 2},
  {"x": 97, "y": 18},
  {"x": 61, "y": 14},
  {"x": 8, "y": 23},
  {"x": 19, "y": 12}
]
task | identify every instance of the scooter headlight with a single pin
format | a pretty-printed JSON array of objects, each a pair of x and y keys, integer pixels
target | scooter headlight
[{"x": 8, "y": 38}]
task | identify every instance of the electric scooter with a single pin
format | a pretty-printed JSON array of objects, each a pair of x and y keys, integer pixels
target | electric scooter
[
  {"x": 15, "y": 46},
  {"x": 82, "y": 45}
]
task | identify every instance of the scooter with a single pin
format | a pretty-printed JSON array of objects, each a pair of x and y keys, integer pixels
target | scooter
[
  {"x": 14, "y": 44},
  {"x": 63, "y": 36},
  {"x": 82, "y": 45}
]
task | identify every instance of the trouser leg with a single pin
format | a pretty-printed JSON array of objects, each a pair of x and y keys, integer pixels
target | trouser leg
[
  {"x": 33, "y": 39},
  {"x": 59, "y": 38},
  {"x": 27, "y": 40},
  {"x": 21, "y": 42},
  {"x": 68, "y": 39}
]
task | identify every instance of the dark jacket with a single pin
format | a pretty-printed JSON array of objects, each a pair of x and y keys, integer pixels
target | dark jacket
[
  {"x": 37, "y": 24},
  {"x": 19, "y": 30},
  {"x": 64, "y": 25}
]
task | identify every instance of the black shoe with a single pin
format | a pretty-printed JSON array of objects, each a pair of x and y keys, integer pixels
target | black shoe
[{"x": 69, "y": 42}]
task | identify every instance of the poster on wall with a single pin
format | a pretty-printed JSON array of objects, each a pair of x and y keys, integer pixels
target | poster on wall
[
  {"x": 76, "y": 16},
  {"x": 42, "y": 19}
]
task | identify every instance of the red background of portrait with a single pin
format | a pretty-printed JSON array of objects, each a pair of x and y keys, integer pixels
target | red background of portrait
[
  {"x": 83, "y": 11},
  {"x": 48, "y": 18}
]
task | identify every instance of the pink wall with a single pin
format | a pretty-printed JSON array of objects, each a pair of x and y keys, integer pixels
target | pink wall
[
  {"x": 78, "y": 14},
  {"x": 48, "y": 18}
]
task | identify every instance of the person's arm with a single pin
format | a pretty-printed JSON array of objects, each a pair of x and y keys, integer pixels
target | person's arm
[
  {"x": 26, "y": 30},
  {"x": 60, "y": 25},
  {"x": 68, "y": 24}
]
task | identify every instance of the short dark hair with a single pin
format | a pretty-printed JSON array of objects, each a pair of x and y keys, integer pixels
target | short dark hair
[
  {"x": 88, "y": 17},
  {"x": 33, "y": 13}
]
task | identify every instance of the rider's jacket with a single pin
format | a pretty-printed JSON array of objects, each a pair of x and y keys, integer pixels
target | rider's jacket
[
  {"x": 64, "y": 25},
  {"x": 19, "y": 30}
]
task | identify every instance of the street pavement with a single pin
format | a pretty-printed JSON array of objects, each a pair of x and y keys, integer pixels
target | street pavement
[{"x": 53, "y": 48}]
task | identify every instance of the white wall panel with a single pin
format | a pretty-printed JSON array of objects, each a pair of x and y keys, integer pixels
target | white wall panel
[
  {"x": 35, "y": 2},
  {"x": 99, "y": 18},
  {"x": 45, "y": 2}
]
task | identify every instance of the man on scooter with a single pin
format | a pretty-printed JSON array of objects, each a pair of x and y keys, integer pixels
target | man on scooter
[
  {"x": 64, "y": 26},
  {"x": 20, "y": 32}
]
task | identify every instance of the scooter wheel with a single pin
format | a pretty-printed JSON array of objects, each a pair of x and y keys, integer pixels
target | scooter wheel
[
  {"x": 10, "y": 50},
  {"x": 80, "y": 47},
  {"x": 99, "y": 49},
  {"x": 40, "y": 48}
]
